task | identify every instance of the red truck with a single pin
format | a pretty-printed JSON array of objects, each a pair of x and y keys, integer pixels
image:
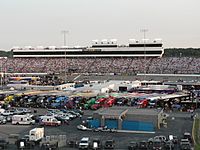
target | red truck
[
  {"x": 103, "y": 102},
  {"x": 142, "y": 103},
  {"x": 98, "y": 104},
  {"x": 110, "y": 101}
]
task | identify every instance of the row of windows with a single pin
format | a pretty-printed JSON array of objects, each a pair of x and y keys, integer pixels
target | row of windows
[
  {"x": 104, "y": 45},
  {"x": 130, "y": 45},
  {"x": 145, "y": 45}
]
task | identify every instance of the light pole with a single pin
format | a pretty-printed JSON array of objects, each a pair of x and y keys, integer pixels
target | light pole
[
  {"x": 144, "y": 40},
  {"x": 64, "y": 32}
]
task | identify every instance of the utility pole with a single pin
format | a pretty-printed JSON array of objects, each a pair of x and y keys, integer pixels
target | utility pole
[
  {"x": 144, "y": 42},
  {"x": 64, "y": 32}
]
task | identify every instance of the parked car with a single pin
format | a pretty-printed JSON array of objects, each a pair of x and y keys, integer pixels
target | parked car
[
  {"x": 8, "y": 112},
  {"x": 121, "y": 101},
  {"x": 63, "y": 119},
  {"x": 49, "y": 121},
  {"x": 142, "y": 103},
  {"x": 173, "y": 138},
  {"x": 185, "y": 144},
  {"x": 96, "y": 144},
  {"x": 3, "y": 120},
  {"x": 9, "y": 118},
  {"x": 20, "y": 111},
  {"x": 162, "y": 138},
  {"x": 152, "y": 103},
  {"x": 169, "y": 145},
  {"x": 24, "y": 143},
  {"x": 133, "y": 146},
  {"x": 78, "y": 111},
  {"x": 82, "y": 127},
  {"x": 72, "y": 143},
  {"x": 109, "y": 144},
  {"x": 2, "y": 96},
  {"x": 65, "y": 115},
  {"x": 42, "y": 101},
  {"x": 74, "y": 113},
  {"x": 188, "y": 136},
  {"x": 47, "y": 145},
  {"x": 84, "y": 143},
  {"x": 143, "y": 145},
  {"x": 157, "y": 144}
]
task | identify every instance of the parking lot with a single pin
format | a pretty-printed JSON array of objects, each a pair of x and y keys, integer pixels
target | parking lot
[{"x": 178, "y": 123}]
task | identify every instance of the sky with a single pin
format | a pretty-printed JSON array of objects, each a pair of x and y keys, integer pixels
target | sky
[{"x": 40, "y": 22}]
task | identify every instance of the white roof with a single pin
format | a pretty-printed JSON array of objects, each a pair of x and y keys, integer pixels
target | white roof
[{"x": 85, "y": 139}]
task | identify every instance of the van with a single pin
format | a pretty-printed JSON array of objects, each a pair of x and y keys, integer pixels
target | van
[
  {"x": 23, "y": 119},
  {"x": 49, "y": 121}
]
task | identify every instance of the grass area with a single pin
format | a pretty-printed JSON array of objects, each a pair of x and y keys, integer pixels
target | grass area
[
  {"x": 196, "y": 134},
  {"x": 197, "y": 147}
]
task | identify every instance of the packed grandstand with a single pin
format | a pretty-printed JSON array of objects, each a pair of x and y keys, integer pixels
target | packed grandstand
[
  {"x": 132, "y": 65},
  {"x": 134, "y": 58}
]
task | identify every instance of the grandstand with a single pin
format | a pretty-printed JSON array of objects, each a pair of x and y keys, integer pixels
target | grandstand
[
  {"x": 173, "y": 61},
  {"x": 132, "y": 65}
]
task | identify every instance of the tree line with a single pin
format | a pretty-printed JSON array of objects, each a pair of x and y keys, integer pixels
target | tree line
[
  {"x": 182, "y": 52},
  {"x": 5, "y": 53}
]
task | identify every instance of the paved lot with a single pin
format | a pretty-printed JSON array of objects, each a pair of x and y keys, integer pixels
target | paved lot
[{"x": 178, "y": 123}]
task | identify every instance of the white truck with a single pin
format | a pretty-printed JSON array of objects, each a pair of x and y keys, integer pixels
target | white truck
[
  {"x": 23, "y": 119},
  {"x": 31, "y": 140},
  {"x": 36, "y": 134}
]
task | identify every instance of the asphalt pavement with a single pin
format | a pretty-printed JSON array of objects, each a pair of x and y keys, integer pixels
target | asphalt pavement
[{"x": 178, "y": 123}]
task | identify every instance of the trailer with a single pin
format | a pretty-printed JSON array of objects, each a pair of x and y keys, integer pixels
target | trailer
[{"x": 23, "y": 119}]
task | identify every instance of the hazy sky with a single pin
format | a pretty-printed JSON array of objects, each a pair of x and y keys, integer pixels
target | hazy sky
[{"x": 40, "y": 22}]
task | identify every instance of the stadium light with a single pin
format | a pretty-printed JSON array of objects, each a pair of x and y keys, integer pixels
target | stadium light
[
  {"x": 64, "y": 32},
  {"x": 144, "y": 41}
]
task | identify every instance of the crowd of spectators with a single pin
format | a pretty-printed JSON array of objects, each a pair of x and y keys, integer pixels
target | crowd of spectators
[{"x": 171, "y": 65}]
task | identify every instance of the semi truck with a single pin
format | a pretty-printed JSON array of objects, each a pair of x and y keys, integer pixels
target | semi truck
[{"x": 36, "y": 134}]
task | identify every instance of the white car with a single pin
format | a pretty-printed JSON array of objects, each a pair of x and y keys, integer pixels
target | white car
[
  {"x": 162, "y": 138},
  {"x": 66, "y": 115},
  {"x": 84, "y": 143},
  {"x": 81, "y": 127},
  {"x": 7, "y": 113},
  {"x": 22, "y": 111}
]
